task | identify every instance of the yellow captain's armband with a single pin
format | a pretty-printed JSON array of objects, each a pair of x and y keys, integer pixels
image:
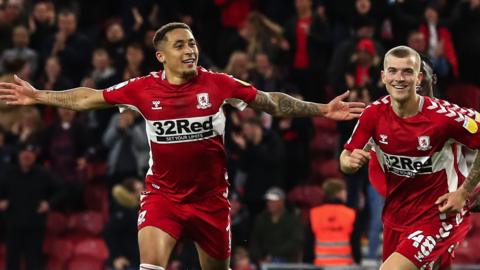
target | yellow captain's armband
[{"x": 470, "y": 125}]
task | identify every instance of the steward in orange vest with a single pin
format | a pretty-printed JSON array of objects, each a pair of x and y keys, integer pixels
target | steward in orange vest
[{"x": 332, "y": 225}]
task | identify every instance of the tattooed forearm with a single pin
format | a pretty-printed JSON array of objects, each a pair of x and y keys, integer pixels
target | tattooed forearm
[
  {"x": 77, "y": 99},
  {"x": 473, "y": 177},
  {"x": 279, "y": 104}
]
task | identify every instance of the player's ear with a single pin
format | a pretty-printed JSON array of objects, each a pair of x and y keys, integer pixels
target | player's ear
[{"x": 160, "y": 57}]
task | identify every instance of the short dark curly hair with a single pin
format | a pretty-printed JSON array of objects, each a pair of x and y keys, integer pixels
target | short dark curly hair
[{"x": 162, "y": 31}]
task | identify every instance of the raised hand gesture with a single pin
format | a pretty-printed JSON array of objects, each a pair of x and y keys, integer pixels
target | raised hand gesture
[
  {"x": 18, "y": 93},
  {"x": 337, "y": 109}
]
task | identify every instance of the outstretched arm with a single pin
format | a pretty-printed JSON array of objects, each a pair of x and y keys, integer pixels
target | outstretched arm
[
  {"x": 280, "y": 104},
  {"x": 77, "y": 99}
]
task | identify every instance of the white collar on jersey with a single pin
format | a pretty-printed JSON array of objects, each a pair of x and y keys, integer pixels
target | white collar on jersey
[{"x": 420, "y": 104}]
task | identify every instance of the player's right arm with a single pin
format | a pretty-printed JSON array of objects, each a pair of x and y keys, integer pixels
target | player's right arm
[
  {"x": 355, "y": 155},
  {"x": 352, "y": 161},
  {"x": 77, "y": 99}
]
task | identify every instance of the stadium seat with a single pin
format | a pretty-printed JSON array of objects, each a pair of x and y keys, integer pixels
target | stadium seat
[
  {"x": 85, "y": 263},
  {"x": 89, "y": 223},
  {"x": 324, "y": 143},
  {"x": 306, "y": 196},
  {"x": 55, "y": 264},
  {"x": 56, "y": 223},
  {"x": 96, "y": 199},
  {"x": 324, "y": 125},
  {"x": 93, "y": 248},
  {"x": 323, "y": 169}
]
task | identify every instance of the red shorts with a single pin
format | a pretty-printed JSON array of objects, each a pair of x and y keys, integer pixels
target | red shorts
[
  {"x": 206, "y": 222},
  {"x": 425, "y": 244}
]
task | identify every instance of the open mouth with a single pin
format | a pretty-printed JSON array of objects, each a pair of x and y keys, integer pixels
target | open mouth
[
  {"x": 400, "y": 87},
  {"x": 189, "y": 61}
]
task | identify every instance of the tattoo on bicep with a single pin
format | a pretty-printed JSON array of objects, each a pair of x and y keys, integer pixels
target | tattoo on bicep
[{"x": 264, "y": 102}]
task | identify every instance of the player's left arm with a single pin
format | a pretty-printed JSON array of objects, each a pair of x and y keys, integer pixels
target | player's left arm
[
  {"x": 469, "y": 135},
  {"x": 455, "y": 201},
  {"x": 280, "y": 104}
]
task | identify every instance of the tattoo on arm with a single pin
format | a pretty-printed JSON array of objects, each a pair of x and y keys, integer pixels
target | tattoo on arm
[
  {"x": 280, "y": 104},
  {"x": 76, "y": 99},
  {"x": 473, "y": 177}
]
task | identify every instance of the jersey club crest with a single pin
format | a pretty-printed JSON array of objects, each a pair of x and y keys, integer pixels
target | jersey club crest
[
  {"x": 203, "y": 101},
  {"x": 424, "y": 143}
]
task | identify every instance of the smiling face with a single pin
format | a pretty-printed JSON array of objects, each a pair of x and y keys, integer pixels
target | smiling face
[
  {"x": 178, "y": 52},
  {"x": 401, "y": 75}
]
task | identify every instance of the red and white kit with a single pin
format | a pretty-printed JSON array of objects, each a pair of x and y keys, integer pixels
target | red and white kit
[
  {"x": 422, "y": 160},
  {"x": 186, "y": 185}
]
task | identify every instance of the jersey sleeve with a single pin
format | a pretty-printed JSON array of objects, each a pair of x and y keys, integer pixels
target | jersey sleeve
[
  {"x": 464, "y": 130},
  {"x": 363, "y": 131},
  {"x": 124, "y": 94},
  {"x": 238, "y": 92}
]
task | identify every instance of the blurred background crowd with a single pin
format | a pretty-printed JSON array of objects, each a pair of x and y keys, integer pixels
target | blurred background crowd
[{"x": 70, "y": 182}]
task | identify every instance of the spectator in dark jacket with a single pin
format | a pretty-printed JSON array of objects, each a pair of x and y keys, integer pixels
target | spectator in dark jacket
[
  {"x": 26, "y": 193},
  {"x": 278, "y": 233}
]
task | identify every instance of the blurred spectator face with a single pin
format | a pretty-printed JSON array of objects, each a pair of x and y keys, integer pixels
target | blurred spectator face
[
  {"x": 416, "y": 41},
  {"x": 100, "y": 60},
  {"x": 238, "y": 64},
  {"x": 363, "y": 6},
  {"x": 53, "y": 67},
  {"x": 40, "y": 12},
  {"x": 67, "y": 23},
  {"x": 276, "y": 206},
  {"x": 13, "y": 11},
  {"x": 26, "y": 159},
  {"x": 303, "y": 5},
  {"x": 20, "y": 37},
  {"x": 431, "y": 15},
  {"x": 115, "y": 33},
  {"x": 66, "y": 116},
  {"x": 262, "y": 63},
  {"x": 134, "y": 56}
]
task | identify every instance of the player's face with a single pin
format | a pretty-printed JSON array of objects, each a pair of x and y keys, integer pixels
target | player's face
[
  {"x": 179, "y": 53},
  {"x": 401, "y": 77}
]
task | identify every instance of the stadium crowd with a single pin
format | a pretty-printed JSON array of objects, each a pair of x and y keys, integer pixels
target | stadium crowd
[{"x": 70, "y": 182}]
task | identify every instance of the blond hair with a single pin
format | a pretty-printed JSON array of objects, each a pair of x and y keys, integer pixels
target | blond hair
[{"x": 403, "y": 52}]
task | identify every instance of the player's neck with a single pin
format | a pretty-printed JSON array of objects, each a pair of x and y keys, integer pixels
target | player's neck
[
  {"x": 406, "y": 108},
  {"x": 174, "y": 78}
]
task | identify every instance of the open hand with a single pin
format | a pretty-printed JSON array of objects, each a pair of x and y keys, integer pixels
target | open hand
[
  {"x": 18, "y": 93},
  {"x": 337, "y": 109}
]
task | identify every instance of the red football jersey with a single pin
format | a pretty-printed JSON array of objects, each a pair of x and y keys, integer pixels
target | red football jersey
[
  {"x": 420, "y": 156},
  {"x": 185, "y": 126},
  {"x": 376, "y": 174}
]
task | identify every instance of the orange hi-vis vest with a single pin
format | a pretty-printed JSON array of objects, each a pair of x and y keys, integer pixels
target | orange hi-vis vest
[{"x": 332, "y": 225}]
